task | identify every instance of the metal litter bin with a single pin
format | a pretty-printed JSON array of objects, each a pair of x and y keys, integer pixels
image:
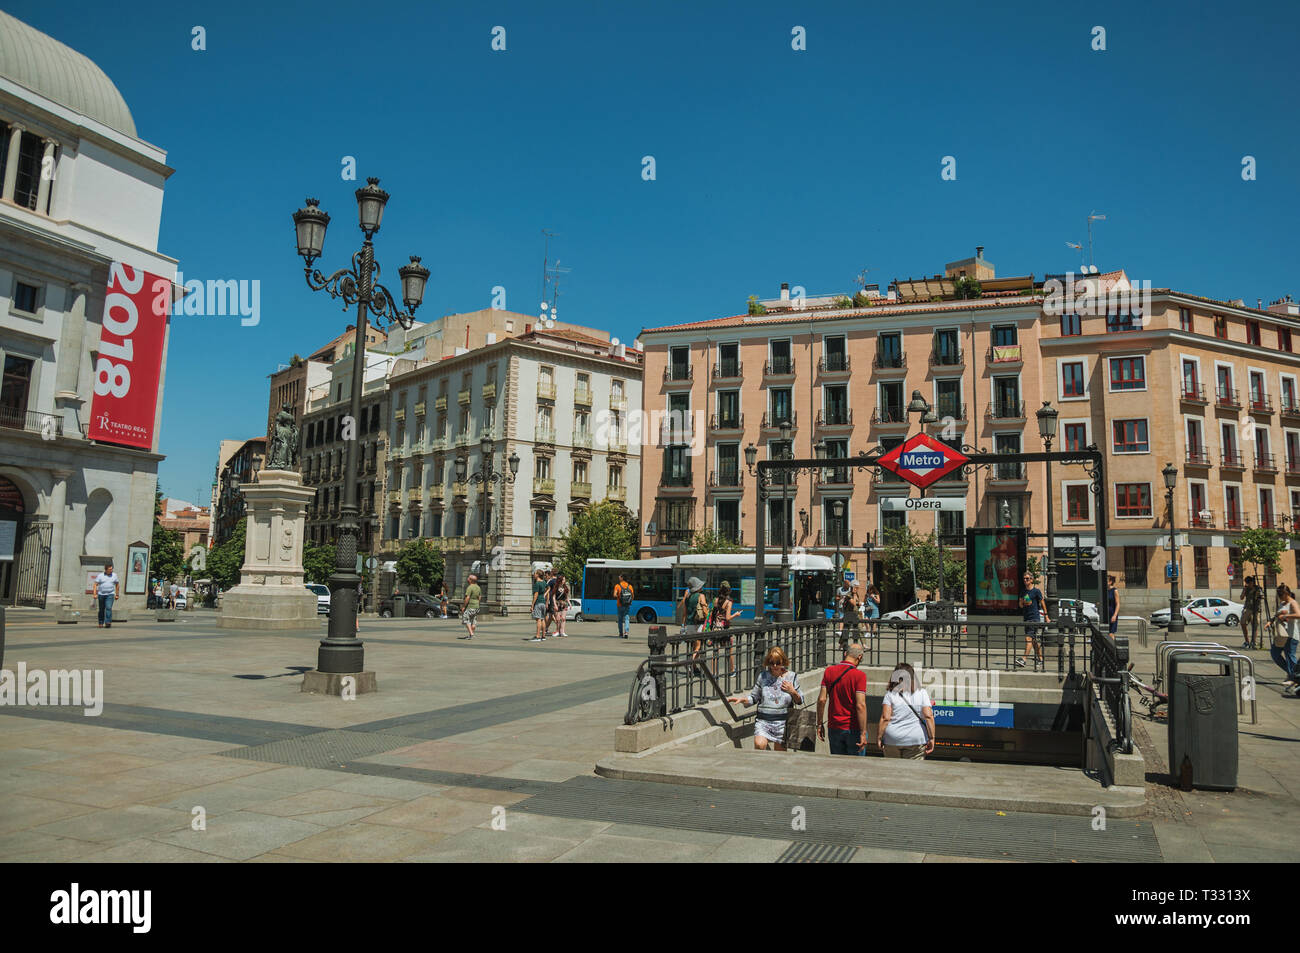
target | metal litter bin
[
  {"x": 1202, "y": 721},
  {"x": 399, "y": 607}
]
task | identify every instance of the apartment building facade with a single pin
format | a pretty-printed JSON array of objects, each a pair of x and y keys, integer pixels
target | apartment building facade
[
  {"x": 986, "y": 364},
  {"x": 557, "y": 399}
]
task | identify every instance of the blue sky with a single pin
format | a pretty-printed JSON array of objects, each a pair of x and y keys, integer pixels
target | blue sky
[{"x": 772, "y": 165}]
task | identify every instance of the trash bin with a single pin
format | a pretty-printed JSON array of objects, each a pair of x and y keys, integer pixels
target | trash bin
[
  {"x": 399, "y": 607},
  {"x": 1202, "y": 721}
]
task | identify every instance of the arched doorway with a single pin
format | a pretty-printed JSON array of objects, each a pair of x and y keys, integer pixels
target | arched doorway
[{"x": 24, "y": 549}]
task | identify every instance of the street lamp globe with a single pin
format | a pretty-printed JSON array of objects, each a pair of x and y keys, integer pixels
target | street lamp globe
[
  {"x": 1170, "y": 473},
  {"x": 485, "y": 448},
  {"x": 414, "y": 277},
  {"x": 461, "y": 467},
  {"x": 917, "y": 405},
  {"x": 751, "y": 456},
  {"x": 837, "y": 509},
  {"x": 514, "y": 463},
  {"x": 1047, "y": 415},
  {"x": 370, "y": 206},
  {"x": 786, "y": 427},
  {"x": 309, "y": 222}
]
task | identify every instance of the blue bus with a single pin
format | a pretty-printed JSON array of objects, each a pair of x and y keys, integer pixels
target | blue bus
[{"x": 658, "y": 584}]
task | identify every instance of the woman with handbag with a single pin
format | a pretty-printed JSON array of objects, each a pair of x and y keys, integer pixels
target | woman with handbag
[
  {"x": 775, "y": 693},
  {"x": 1286, "y": 632},
  {"x": 906, "y": 717},
  {"x": 720, "y": 616}
]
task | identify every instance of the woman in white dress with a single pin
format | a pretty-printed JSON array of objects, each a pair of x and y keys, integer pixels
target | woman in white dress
[{"x": 775, "y": 692}]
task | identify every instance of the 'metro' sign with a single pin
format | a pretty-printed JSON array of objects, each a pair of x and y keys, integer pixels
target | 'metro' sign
[{"x": 922, "y": 459}]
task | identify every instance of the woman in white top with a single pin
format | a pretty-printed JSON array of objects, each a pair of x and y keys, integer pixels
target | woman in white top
[
  {"x": 906, "y": 717},
  {"x": 775, "y": 693},
  {"x": 1288, "y": 616}
]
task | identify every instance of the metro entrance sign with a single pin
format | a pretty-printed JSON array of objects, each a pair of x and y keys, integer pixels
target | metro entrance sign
[{"x": 921, "y": 460}]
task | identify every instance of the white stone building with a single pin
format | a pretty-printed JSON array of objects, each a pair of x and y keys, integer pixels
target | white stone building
[
  {"x": 79, "y": 191},
  {"x": 560, "y": 399}
]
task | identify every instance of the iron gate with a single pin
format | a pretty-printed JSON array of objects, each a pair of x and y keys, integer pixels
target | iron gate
[{"x": 34, "y": 565}]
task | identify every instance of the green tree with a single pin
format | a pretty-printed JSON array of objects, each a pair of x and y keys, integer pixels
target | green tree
[
  {"x": 1262, "y": 547},
  {"x": 862, "y": 300},
  {"x": 902, "y": 547},
  {"x": 605, "y": 530},
  {"x": 755, "y": 307},
  {"x": 708, "y": 540},
  {"x": 318, "y": 562},
  {"x": 420, "y": 565},
  {"x": 967, "y": 288},
  {"x": 224, "y": 562},
  {"x": 167, "y": 558}
]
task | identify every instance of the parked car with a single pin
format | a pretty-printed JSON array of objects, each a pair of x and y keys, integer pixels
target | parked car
[
  {"x": 322, "y": 597},
  {"x": 182, "y": 598},
  {"x": 1089, "y": 608},
  {"x": 418, "y": 604},
  {"x": 916, "y": 613},
  {"x": 574, "y": 612},
  {"x": 1207, "y": 610}
]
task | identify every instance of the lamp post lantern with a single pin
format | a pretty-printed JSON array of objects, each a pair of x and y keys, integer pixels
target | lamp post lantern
[
  {"x": 1170, "y": 474},
  {"x": 341, "y": 652},
  {"x": 837, "y": 511},
  {"x": 1047, "y": 415}
]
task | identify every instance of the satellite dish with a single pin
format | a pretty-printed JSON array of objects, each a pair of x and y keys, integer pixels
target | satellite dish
[
  {"x": 544, "y": 306},
  {"x": 614, "y": 341}
]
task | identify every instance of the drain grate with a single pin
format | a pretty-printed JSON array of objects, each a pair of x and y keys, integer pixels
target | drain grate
[
  {"x": 324, "y": 749},
  {"x": 816, "y": 854}
]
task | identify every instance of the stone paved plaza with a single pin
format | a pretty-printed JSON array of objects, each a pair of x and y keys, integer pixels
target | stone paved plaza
[{"x": 484, "y": 751}]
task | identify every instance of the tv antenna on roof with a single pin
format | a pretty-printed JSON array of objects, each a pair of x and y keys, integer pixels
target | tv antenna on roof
[
  {"x": 861, "y": 279},
  {"x": 1094, "y": 217},
  {"x": 551, "y": 276}
]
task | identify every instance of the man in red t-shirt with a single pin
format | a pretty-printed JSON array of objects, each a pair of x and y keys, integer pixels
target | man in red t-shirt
[{"x": 845, "y": 685}]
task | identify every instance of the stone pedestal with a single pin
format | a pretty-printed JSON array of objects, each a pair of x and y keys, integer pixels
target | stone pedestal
[
  {"x": 328, "y": 683},
  {"x": 271, "y": 594}
]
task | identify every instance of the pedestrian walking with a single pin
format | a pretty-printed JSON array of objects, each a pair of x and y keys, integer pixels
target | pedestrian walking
[
  {"x": 849, "y": 612},
  {"x": 442, "y": 598},
  {"x": 171, "y": 595},
  {"x": 1112, "y": 604},
  {"x": 107, "y": 588},
  {"x": 721, "y": 612},
  {"x": 1033, "y": 609},
  {"x": 623, "y": 596},
  {"x": 1251, "y": 595},
  {"x": 695, "y": 612},
  {"x": 550, "y": 603},
  {"x": 872, "y": 606},
  {"x": 775, "y": 692},
  {"x": 560, "y": 596},
  {"x": 906, "y": 717},
  {"x": 843, "y": 699},
  {"x": 1287, "y": 632},
  {"x": 469, "y": 608},
  {"x": 539, "y": 605}
]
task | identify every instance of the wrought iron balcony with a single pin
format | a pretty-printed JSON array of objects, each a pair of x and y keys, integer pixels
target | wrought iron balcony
[
  {"x": 947, "y": 358},
  {"x": 772, "y": 421},
  {"x": 949, "y": 409},
  {"x": 582, "y": 440},
  {"x": 1261, "y": 403},
  {"x": 841, "y": 417},
  {"x": 727, "y": 371},
  {"x": 675, "y": 480},
  {"x": 1290, "y": 407},
  {"x": 1265, "y": 463},
  {"x": 835, "y": 537},
  {"x": 889, "y": 416},
  {"x": 544, "y": 435},
  {"x": 1292, "y": 466},
  {"x": 1010, "y": 472},
  {"x": 732, "y": 534},
  {"x": 1193, "y": 392},
  {"x": 727, "y": 422},
  {"x": 1227, "y": 397},
  {"x": 675, "y": 373},
  {"x": 1007, "y": 410},
  {"x": 1006, "y": 354},
  {"x": 582, "y": 397},
  {"x": 778, "y": 367},
  {"x": 727, "y": 479},
  {"x": 833, "y": 364},
  {"x": 1231, "y": 460},
  {"x": 835, "y": 476},
  {"x": 1201, "y": 519},
  {"x": 1198, "y": 457},
  {"x": 1236, "y": 521},
  {"x": 889, "y": 362}
]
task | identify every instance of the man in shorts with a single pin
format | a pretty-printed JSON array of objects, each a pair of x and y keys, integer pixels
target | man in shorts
[
  {"x": 1033, "y": 609},
  {"x": 469, "y": 609}
]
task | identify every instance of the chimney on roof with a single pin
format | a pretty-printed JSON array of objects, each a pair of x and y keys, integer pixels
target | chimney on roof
[
  {"x": 785, "y": 292},
  {"x": 979, "y": 252}
]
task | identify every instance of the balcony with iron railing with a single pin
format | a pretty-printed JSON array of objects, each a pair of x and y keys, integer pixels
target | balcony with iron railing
[
  {"x": 726, "y": 422},
  {"x": 837, "y": 476},
  {"x": 546, "y": 390},
  {"x": 48, "y": 426},
  {"x": 1235, "y": 520},
  {"x": 617, "y": 402},
  {"x": 731, "y": 534},
  {"x": 1008, "y": 473},
  {"x": 1194, "y": 392},
  {"x": 887, "y": 416},
  {"x": 1265, "y": 463},
  {"x": 778, "y": 367},
  {"x": 835, "y": 418},
  {"x": 1006, "y": 410},
  {"x": 679, "y": 374},
  {"x": 1201, "y": 519},
  {"x": 1292, "y": 466},
  {"x": 543, "y": 486},
  {"x": 617, "y": 444},
  {"x": 947, "y": 410},
  {"x": 835, "y": 537},
  {"x": 490, "y": 390},
  {"x": 616, "y": 493},
  {"x": 582, "y": 397},
  {"x": 579, "y": 490},
  {"x": 1290, "y": 407},
  {"x": 947, "y": 358},
  {"x": 544, "y": 435},
  {"x": 582, "y": 441},
  {"x": 1198, "y": 457},
  {"x": 830, "y": 364},
  {"x": 727, "y": 371},
  {"x": 675, "y": 481},
  {"x": 1227, "y": 397},
  {"x": 1231, "y": 460},
  {"x": 1268, "y": 521},
  {"x": 1261, "y": 403},
  {"x": 889, "y": 363},
  {"x": 772, "y": 421},
  {"x": 544, "y": 544},
  {"x": 727, "y": 478},
  {"x": 675, "y": 433}
]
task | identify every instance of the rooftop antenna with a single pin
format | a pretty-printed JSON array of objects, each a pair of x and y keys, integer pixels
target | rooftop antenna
[
  {"x": 550, "y": 277},
  {"x": 861, "y": 279},
  {"x": 1094, "y": 217}
]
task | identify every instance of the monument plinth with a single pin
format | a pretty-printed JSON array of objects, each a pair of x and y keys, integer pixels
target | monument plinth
[{"x": 271, "y": 593}]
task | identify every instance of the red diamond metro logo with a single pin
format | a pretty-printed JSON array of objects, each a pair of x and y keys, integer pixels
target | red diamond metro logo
[{"x": 922, "y": 459}]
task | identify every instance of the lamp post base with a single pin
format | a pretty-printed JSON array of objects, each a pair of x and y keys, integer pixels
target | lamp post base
[
  {"x": 341, "y": 656},
  {"x": 336, "y": 683}
]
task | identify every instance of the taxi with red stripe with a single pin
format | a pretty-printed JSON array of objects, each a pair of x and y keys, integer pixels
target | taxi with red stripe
[{"x": 1204, "y": 610}]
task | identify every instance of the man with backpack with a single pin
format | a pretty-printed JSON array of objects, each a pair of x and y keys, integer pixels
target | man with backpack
[
  {"x": 623, "y": 595},
  {"x": 844, "y": 686}
]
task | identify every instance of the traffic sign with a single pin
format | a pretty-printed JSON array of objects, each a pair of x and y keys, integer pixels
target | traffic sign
[
  {"x": 372, "y": 562},
  {"x": 922, "y": 459},
  {"x": 914, "y": 504}
]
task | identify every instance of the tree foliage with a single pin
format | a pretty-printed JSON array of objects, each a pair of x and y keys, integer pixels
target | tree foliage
[
  {"x": 167, "y": 557},
  {"x": 1262, "y": 547},
  {"x": 755, "y": 307},
  {"x": 967, "y": 287},
  {"x": 318, "y": 562},
  {"x": 902, "y": 546},
  {"x": 420, "y": 565},
  {"x": 605, "y": 530},
  {"x": 708, "y": 540},
  {"x": 225, "y": 561}
]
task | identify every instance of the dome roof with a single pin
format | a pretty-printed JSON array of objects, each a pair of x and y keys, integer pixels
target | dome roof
[{"x": 46, "y": 66}]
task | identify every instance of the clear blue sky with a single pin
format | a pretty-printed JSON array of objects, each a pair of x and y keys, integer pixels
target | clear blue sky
[{"x": 773, "y": 165}]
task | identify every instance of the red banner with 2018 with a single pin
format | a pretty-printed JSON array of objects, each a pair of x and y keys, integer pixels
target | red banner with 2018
[{"x": 128, "y": 362}]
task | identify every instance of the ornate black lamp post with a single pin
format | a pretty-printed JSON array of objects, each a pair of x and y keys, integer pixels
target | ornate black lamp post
[
  {"x": 837, "y": 511},
  {"x": 1170, "y": 473},
  {"x": 1047, "y": 415},
  {"x": 341, "y": 652},
  {"x": 484, "y": 478}
]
